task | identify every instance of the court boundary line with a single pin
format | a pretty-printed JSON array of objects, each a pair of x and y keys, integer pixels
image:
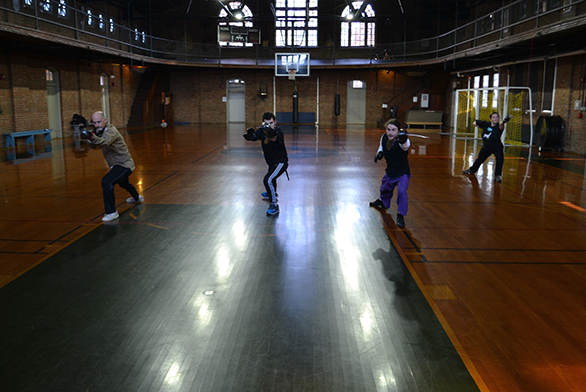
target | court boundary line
[{"x": 445, "y": 325}]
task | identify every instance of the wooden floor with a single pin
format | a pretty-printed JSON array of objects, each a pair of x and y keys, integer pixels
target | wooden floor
[{"x": 198, "y": 290}]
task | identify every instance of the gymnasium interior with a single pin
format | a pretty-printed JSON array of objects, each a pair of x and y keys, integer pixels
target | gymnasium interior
[{"x": 197, "y": 288}]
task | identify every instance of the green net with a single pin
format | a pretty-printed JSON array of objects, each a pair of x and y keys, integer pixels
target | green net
[{"x": 476, "y": 104}]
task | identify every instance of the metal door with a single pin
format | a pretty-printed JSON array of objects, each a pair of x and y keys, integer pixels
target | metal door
[
  {"x": 105, "y": 86},
  {"x": 53, "y": 103},
  {"x": 236, "y": 101},
  {"x": 356, "y": 102}
]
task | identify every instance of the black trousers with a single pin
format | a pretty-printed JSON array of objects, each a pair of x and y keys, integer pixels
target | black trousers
[
  {"x": 270, "y": 180},
  {"x": 117, "y": 175},
  {"x": 484, "y": 154}
]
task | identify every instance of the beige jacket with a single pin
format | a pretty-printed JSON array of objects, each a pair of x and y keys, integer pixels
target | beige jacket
[{"x": 114, "y": 147}]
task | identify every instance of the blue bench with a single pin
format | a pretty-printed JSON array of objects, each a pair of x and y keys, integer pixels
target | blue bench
[
  {"x": 303, "y": 118},
  {"x": 30, "y": 141}
]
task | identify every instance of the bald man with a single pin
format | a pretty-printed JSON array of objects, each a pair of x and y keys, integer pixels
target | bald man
[{"x": 118, "y": 158}]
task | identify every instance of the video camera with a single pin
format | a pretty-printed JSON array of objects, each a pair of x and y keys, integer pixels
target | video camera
[
  {"x": 79, "y": 122},
  {"x": 269, "y": 132}
]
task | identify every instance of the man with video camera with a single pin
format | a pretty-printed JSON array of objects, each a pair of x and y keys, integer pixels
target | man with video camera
[
  {"x": 118, "y": 158},
  {"x": 273, "y": 147}
]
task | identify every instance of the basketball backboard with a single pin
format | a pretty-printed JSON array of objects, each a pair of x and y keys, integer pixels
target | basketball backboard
[{"x": 287, "y": 61}]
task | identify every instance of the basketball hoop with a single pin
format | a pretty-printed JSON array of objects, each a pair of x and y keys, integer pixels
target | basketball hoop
[{"x": 292, "y": 73}]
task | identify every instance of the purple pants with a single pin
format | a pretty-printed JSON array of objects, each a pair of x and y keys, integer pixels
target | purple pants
[{"x": 387, "y": 186}]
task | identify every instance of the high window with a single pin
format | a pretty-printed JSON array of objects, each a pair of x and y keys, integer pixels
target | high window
[
  {"x": 548, "y": 92},
  {"x": 358, "y": 27},
  {"x": 45, "y": 5},
  {"x": 139, "y": 36},
  {"x": 296, "y": 22},
  {"x": 495, "y": 93},
  {"x": 232, "y": 16},
  {"x": 62, "y": 9}
]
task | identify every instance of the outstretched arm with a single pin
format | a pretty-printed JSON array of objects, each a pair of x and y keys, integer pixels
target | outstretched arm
[
  {"x": 250, "y": 134},
  {"x": 380, "y": 152}
]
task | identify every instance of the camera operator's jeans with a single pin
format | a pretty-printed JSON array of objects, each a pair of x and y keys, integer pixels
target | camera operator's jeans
[{"x": 117, "y": 175}]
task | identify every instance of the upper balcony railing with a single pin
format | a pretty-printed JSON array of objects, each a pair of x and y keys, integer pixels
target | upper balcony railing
[{"x": 53, "y": 21}]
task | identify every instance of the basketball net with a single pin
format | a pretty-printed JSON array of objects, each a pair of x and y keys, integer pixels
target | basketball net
[{"x": 292, "y": 73}]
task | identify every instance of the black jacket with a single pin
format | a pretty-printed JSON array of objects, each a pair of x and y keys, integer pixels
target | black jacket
[
  {"x": 274, "y": 152},
  {"x": 491, "y": 135},
  {"x": 396, "y": 157}
]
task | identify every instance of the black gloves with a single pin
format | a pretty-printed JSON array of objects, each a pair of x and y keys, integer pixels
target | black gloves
[
  {"x": 506, "y": 119},
  {"x": 85, "y": 134},
  {"x": 269, "y": 132},
  {"x": 249, "y": 135},
  {"x": 402, "y": 138},
  {"x": 378, "y": 156}
]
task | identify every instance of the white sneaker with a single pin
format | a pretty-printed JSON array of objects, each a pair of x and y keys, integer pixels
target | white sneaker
[
  {"x": 110, "y": 217},
  {"x": 132, "y": 200}
]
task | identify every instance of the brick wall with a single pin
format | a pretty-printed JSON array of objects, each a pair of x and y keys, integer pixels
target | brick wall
[
  {"x": 23, "y": 91},
  {"x": 197, "y": 94}
]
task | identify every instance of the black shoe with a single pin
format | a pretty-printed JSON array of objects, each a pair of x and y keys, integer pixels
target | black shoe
[
  {"x": 377, "y": 204},
  {"x": 467, "y": 172},
  {"x": 400, "y": 220}
]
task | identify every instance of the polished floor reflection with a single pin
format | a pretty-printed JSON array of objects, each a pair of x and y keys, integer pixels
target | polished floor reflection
[{"x": 198, "y": 290}]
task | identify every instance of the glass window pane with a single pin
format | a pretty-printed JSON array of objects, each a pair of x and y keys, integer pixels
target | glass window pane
[
  {"x": 360, "y": 32},
  {"x": 312, "y": 38},
  {"x": 62, "y": 10},
  {"x": 370, "y": 39},
  {"x": 369, "y": 11},
  {"x": 344, "y": 34}
]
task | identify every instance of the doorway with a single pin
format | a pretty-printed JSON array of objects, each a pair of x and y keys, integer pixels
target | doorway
[
  {"x": 236, "y": 101},
  {"x": 54, "y": 102},
  {"x": 105, "y": 87},
  {"x": 356, "y": 102}
]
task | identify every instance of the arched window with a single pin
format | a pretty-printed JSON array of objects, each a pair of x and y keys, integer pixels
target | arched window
[
  {"x": 359, "y": 25},
  {"x": 46, "y": 6},
  {"x": 233, "y": 15},
  {"x": 62, "y": 9},
  {"x": 296, "y": 22}
]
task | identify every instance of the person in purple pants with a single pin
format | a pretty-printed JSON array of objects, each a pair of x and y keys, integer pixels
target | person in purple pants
[{"x": 394, "y": 147}]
